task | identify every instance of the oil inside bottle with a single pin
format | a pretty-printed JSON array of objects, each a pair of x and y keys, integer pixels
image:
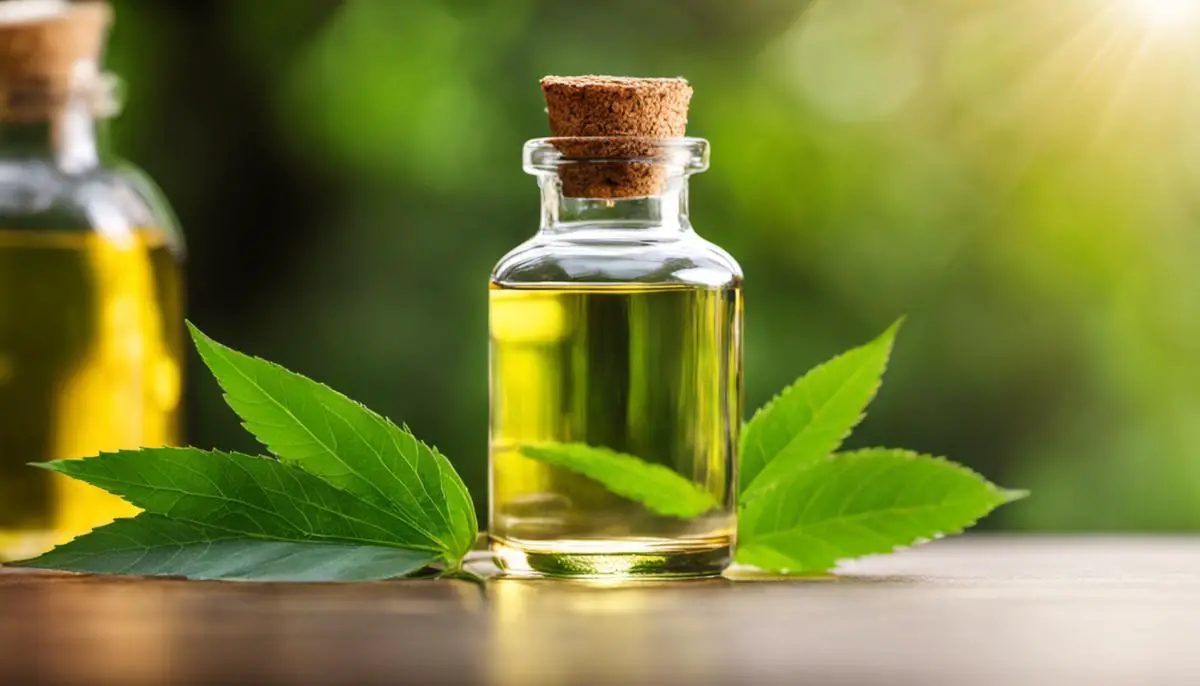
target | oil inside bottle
[
  {"x": 650, "y": 370},
  {"x": 90, "y": 346}
]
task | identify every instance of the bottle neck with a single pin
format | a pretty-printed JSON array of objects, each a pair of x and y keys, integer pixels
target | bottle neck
[
  {"x": 66, "y": 135},
  {"x": 666, "y": 212}
]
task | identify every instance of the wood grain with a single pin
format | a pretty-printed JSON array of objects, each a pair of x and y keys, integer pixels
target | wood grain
[{"x": 976, "y": 610}]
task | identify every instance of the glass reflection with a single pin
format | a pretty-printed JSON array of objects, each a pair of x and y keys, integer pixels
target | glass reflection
[{"x": 562, "y": 631}]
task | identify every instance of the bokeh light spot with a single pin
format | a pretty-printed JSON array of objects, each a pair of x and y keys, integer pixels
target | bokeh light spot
[{"x": 1166, "y": 14}]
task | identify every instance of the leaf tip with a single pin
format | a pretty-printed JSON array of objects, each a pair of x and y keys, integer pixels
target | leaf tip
[
  {"x": 889, "y": 335},
  {"x": 193, "y": 329},
  {"x": 1010, "y": 495},
  {"x": 200, "y": 338},
  {"x": 31, "y": 563}
]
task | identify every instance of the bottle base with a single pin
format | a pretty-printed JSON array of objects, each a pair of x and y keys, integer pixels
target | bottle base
[
  {"x": 23, "y": 545},
  {"x": 607, "y": 559}
]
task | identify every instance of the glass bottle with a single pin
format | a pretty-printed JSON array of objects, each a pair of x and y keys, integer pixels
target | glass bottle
[
  {"x": 91, "y": 287},
  {"x": 615, "y": 326}
]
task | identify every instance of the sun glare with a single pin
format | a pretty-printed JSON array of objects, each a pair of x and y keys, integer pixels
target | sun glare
[{"x": 1167, "y": 14}]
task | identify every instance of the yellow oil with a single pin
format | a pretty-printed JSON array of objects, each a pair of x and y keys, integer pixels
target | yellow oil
[
  {"x": 90, "y": 346},
  {"x": 652, "y": 371}
]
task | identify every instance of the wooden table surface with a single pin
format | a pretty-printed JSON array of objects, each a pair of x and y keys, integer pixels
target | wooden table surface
[{"x": 971, "y": 611}]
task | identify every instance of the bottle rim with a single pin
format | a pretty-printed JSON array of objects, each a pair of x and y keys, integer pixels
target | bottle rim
[
  {"x": 101, "y": 94},
  {"x": 550, "y": 155}
]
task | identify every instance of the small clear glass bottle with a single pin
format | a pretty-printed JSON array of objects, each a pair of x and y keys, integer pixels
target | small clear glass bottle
[
  {"x": 616, "y": 326},
  {"x": 91, "y": 288}
]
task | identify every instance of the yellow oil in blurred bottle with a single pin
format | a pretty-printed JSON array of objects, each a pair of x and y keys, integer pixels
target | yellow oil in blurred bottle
[
  {"x": 91, "y": 328},
  {"x": 90, "y": 351}
]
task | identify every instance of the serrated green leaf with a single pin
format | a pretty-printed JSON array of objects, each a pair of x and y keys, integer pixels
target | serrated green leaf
[
  {"x": 253, "y": 497},
  {"x": 343, "y": 442},
  {"x": 810, "y": 419},
  {"x": 152, "y": 545},
  {"x": 656, "y": 487},
  {"x": 854, "y": 504}
]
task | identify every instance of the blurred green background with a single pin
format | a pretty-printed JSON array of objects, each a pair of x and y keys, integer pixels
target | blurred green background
[{"x": 1018, "y": 176}]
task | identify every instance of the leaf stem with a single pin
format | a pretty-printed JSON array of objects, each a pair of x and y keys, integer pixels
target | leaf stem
[{"x": 461, "y": 574}]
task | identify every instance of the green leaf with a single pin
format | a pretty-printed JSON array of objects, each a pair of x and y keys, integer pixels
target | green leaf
[
  {"x": 339, "y": 440},
  {"x": 656, "y": 487},
  {"x": 152, "y": 545},
  {"x": 854, "y": 504},
  {"x": 811, "y": 418},
  {"x": 355, "y": 497},
  {"x": 251, "y": 497}
]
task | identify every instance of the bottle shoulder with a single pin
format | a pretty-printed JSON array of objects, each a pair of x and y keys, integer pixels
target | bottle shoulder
[
  {"x": 607, "y": 256},
  {"x": 113, "y": 199}
]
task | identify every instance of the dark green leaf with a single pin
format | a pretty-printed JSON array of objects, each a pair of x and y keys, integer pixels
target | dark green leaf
[
  {"x": 811, "y": 418},
  {"x": 339, "y": 440},
  {"x": 244, "y": 496},
  {"x": 657, "y": 487},
  {"x": 854, "y": 504},
  {"x": 152, "y": 545}
]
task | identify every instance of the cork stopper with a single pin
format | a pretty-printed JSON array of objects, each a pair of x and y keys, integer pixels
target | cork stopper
[
  {"x": 606, "y": 128},
  {"x": 48, "y": 48}
]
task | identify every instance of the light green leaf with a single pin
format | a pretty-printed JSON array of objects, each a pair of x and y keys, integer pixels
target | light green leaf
[
  {"x": 854, "y": 504},
  {"x": 656, "y": 487},
  {"x": 152, "y": 545},
  {"x": 244, "y": 496},
  {"x": 811, "y": 418},
  {"x": 339, "y": 440}
]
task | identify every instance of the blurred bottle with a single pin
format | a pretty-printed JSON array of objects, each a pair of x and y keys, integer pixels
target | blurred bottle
[{"x": 90, "y": 280}]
